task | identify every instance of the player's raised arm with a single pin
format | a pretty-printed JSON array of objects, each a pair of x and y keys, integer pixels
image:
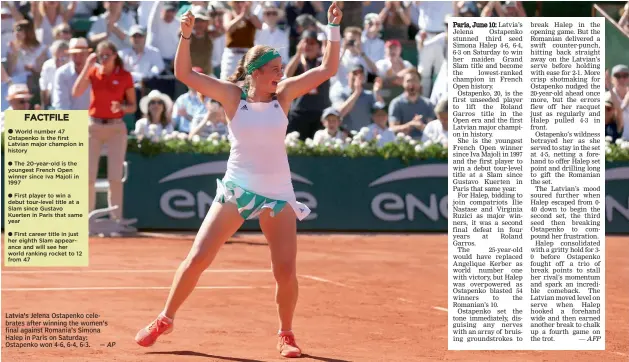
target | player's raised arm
[
  {"x": 228, "y": 94},
  {"x": 295, "y": 87}
]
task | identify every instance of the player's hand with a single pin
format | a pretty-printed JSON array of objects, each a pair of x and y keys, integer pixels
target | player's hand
[
  {"x": 187, "y": 22},
  {"x": 334, "y": 14}
]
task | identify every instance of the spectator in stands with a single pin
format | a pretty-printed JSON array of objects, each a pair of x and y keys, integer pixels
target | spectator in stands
[
  {"x": 113, "y": 25},
  {"x": 59, "y": 51},
  {"x": 26, "y": 55},
  {"x": 623, "y": 22},
  {"x": 437, "y": 131},
  {"x": 352, "y": 14},
  {"x": 620, "y": 90},
  {"x": 112, "y": 97},
  {"x": 353, "y": 102},
  {"x": 395, "y": 18},
  {"x": 409, "y": 112},
  {"x": 66, "y": 76},
  {"x": 373, "y": 46},
  {"x": 305, "y": 112},
  {"x": 379, "y": 129},
  {"x": 614, "y": 120},
  {"x": 391, "y": 68},
  {"x": 240, "y": 31},
  {"x": 431, "y": 17},
  {"x": 270, "y": 34},
  {"x": 300, "y": 16},
  {"x": 143, "y": 12},
  {"x": 468, "y": 9},
  {"x": 440, "y": 88},
  {"x": 62, "y": 32},
  {"x": 47, "y": 15},
  {"x": 213, "y": 121},
  {"x": 351, "y": 54},
  {"x": 85, "y": 9},
  {"x": 156, "y": 122},
  {"x": 186, "y": 107},
  {"x": 18, "y": 97},
  {"x": 513, "y": 9},
  {"x": 372, "y": 7},
  {"x": 306, "y": 22},
  {"x": 7, "y": 29},
  {"x": 433, "y": 53},
  {"x": 331, "y": 120},
  {"x": 141, "y": 60},
  {"x": 217, "y": 12},
  {"x": 6, "y": 82},
  {"x": 163, "y": 30},
  {"x": 201, "y": 40}
]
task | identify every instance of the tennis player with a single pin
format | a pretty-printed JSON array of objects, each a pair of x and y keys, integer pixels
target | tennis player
[{"x": 258, "y": 178}]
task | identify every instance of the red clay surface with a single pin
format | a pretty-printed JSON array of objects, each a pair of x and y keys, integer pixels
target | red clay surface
[{"x": 382, "y": 310}]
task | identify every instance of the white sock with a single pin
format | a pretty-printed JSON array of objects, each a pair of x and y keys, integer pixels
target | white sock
[
  {"x": 285, "y": 332},
  {"x": 163, "y": 314}
]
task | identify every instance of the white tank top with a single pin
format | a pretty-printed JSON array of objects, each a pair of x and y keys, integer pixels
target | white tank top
[
  {"x": 44, "y": 32},
  {"x": 258, "y": 161}
]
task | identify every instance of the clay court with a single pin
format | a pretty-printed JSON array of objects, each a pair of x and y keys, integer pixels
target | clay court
[{"x": 362, "y": 298}]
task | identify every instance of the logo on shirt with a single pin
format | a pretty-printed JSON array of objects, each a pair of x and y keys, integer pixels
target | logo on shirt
[
  {"x": 244, "y": 108},
  {"x": 115, "y": 82},
  {"x": 276, "y": 105}
]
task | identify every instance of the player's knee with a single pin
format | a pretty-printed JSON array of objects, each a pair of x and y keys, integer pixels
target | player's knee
[{"x": 284, "y": 272}]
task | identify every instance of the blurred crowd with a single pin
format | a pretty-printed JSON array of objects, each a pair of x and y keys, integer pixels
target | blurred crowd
[{"x": 392, "y": 77}]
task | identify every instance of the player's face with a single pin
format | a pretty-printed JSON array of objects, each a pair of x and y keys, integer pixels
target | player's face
[{"x": 269, "y": 75}]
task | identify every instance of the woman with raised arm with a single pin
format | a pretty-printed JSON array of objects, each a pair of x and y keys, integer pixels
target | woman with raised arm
[{"x": 258, "y": 178}]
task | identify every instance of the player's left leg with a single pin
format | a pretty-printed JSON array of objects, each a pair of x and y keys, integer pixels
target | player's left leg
[{"x": 281, "y": 233}]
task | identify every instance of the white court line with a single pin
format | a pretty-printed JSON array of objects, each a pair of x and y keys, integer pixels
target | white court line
[
  {"x": 122, "y": 288},
  {"x": 131, "y": 271},
  {"x": 620, "y": 354},
  {"x": 441, "y": 309},
  {"x": 325, "y": 281}
]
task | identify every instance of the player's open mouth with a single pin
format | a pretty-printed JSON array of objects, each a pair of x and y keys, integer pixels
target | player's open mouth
[{"x": 274, "y": 83}]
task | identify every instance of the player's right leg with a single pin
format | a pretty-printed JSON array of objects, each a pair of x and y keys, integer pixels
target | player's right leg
[{"x": 221, "y": 222}]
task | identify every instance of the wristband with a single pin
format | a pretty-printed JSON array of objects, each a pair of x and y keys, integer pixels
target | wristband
[{"x": 334, "y": 32}]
